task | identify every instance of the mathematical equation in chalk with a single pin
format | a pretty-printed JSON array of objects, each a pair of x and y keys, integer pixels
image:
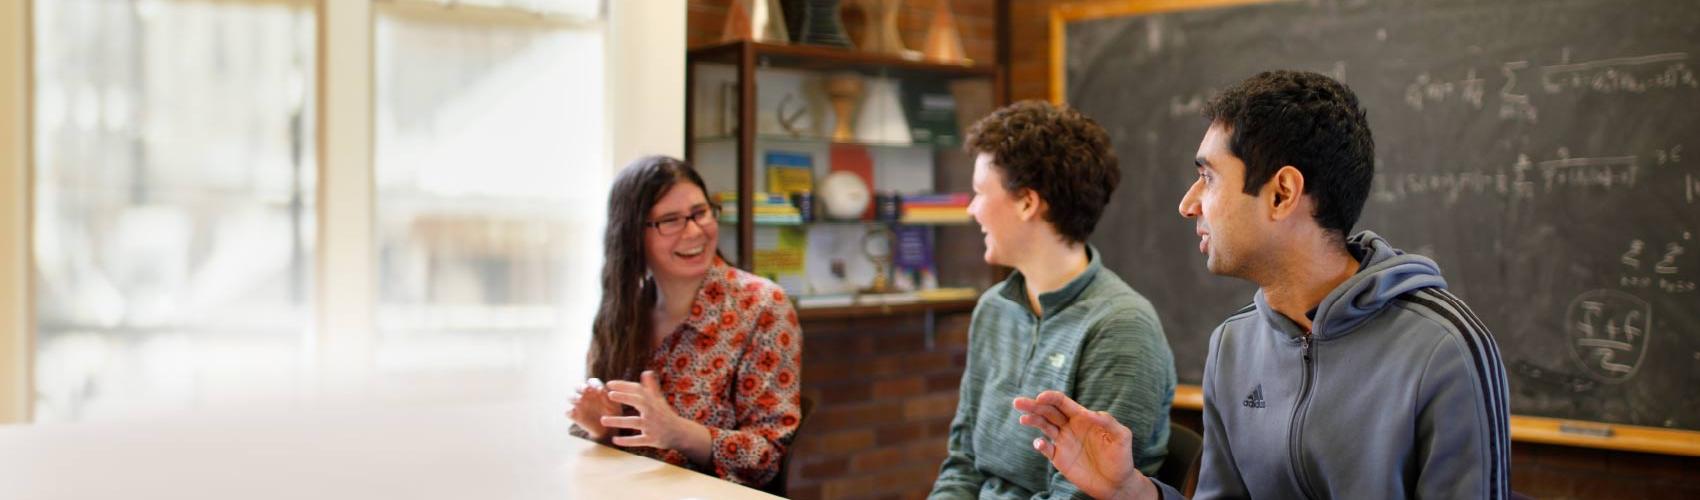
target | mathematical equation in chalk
[
  {"x": 1608, "y": 333},
  {"x": 1690, "y": 188},
  {"x": 1526, "y": 178},
  {"x": 1648, "y": 267},
  {"x": 1515, "y": 81}
]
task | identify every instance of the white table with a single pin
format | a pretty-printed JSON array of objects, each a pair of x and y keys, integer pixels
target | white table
[{"x": 482, "y": 451}]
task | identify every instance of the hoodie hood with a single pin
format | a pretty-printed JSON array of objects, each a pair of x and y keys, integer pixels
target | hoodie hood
[{"x": 1384, "y": 273}]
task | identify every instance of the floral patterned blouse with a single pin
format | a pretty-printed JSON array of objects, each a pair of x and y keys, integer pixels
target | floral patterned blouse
[{"x": 735, "y": 366}]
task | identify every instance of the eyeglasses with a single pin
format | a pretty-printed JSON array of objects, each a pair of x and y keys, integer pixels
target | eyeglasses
[{"x": 670, "y": 225}]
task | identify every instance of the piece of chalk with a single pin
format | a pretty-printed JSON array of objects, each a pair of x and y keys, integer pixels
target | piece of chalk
[{"x": 1585, "y": 430}]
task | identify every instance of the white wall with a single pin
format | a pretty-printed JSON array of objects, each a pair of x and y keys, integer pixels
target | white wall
[{"x": 646, "y": 79}]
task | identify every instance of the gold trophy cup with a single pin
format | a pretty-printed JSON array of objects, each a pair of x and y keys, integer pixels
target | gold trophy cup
[{"x": 844, "y": 89}]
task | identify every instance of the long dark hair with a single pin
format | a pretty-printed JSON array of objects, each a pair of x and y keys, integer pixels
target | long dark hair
[{"x": 620, "y": 338}]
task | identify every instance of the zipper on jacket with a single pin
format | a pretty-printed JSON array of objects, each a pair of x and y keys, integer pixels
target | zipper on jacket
[
  {"x": 1032, "y": 347},
  {"x": 1296, "y": 427}
]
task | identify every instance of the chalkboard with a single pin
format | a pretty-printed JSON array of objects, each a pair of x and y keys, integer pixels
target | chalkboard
[{"x": 1534, "y": 149}]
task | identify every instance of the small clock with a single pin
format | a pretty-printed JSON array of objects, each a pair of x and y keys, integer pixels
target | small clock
[{"x": 844, "y": 195}]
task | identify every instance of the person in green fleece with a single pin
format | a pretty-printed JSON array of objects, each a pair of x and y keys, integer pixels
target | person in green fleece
[{"x": 1061, "y": 321}]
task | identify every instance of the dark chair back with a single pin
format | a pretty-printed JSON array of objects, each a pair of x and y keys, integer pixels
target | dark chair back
[
  {"x": 777, "y": 486},
  {"x": 1180, "y": 468}
]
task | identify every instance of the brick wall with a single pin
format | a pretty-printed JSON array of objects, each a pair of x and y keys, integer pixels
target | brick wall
[
  {"x": 1030, "y": 46},
  {"x": 1030, "y": 49},
  {"x": 883, "y": 403}
]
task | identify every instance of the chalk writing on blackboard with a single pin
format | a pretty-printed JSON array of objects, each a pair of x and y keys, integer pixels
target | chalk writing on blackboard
[
  {"x": 1690, "y": 185},
  {"x": 1514, "y": 105},
  {"x": 1633, "y": 75},
  {"x": 1428, "y": 90},
  {"x": 1523, "y": 179},
  {"x": 1675, "y": 286},
  {"x": 1623, "y": 74},
  {"x": 1669, "y": 156},
  {"x": 1608, "y": 331},
  {"x": 1601, "y": 171},
  {"x": 1632, "y": 258},
  {"x": 1667, "y": 262}
]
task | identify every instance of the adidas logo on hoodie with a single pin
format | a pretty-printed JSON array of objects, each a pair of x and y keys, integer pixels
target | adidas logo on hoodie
[{"x": 1255, "y": 399}]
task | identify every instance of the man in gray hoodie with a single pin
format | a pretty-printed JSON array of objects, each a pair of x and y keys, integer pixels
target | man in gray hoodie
[{"x": 1353, "y": 373}]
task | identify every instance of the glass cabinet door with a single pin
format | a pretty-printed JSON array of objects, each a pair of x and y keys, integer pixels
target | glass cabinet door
[{"x": 856, "y": 179}]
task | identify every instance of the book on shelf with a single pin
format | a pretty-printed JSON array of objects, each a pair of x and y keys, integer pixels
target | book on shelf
[
  {"x": 765, "y": 219},
  {"x": 791, "y": 219},
  {"x": 935, "y": 208},
  {"x": 759, "y": 198},
  {"x": 932, "y": 112},
  {"x": 924, "y": 220},
  {"x": 855, "y": 159},
  {"x": 789, "y": 172},
  {"x": 773, "y": 210},
  {"x": 935, "y": 216},
  {"x": 768, "y": 208},
  {"x": 937, "y": 200},
  {"x": 912, "y": 256},
  {"x": 780, "y": 256}
]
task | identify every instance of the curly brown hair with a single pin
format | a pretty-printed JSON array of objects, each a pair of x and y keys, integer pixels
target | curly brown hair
[{"x": 1056, "y": 152}]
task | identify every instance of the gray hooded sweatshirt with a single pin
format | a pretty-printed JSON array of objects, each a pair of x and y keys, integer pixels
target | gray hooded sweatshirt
[{"x": 1397, "y": 392}]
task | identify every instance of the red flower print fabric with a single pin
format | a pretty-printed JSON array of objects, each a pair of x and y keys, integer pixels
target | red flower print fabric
[{"x": 734, "y": 367}]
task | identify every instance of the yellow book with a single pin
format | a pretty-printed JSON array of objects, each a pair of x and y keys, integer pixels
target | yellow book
[{"x": 789, "y": 172}]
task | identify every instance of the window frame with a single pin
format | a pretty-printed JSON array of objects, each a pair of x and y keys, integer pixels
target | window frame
[{"x": 345, "y": 266}]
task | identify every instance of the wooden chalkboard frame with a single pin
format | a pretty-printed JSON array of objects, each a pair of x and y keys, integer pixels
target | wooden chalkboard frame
[{"x": 1529, "y": 429}]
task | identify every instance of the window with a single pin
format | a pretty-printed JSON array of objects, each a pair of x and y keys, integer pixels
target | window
[
  {"x": 177, "y": 187},
  {"x": 174, "y": 202},
  {"x": 490, "y": 192}
]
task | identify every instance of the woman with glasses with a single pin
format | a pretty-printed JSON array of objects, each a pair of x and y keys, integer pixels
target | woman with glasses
[{"x": 702, "y": 359}]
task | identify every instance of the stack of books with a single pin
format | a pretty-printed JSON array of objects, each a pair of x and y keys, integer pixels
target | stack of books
[
  {"x": 947, "y": 208},
  {"x": 771, "y": 209}
]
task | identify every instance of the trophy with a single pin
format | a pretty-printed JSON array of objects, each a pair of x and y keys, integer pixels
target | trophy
[
  {"x": 944, "y": 41},
  {"x": 881, "y": 119},
  {"x": 879, "y": 33},
  {"x": 821, "y": 25},
  {"x": 755, "y": 20},
  {"x": 844, "y": 89}
]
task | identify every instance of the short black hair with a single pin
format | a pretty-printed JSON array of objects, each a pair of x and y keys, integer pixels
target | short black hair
[
  {"x": 1058, "y": 153},
  {"x": 1309, "y": 121}
]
